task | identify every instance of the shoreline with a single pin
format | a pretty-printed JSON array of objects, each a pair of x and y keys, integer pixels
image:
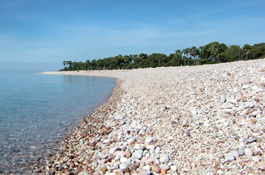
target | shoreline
[{"x": 172, "y": 120}]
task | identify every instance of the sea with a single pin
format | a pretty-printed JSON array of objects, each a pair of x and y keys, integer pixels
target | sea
[{"x": 38, "y": 111}]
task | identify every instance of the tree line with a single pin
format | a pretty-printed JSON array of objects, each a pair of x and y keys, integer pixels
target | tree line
[{"x": 211, "y": 53}]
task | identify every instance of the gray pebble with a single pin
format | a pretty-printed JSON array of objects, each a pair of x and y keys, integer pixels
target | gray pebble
[
  {"x": 164, "y": 158},
  {"x": 248, "y": 152},
  {"x": 102, "y": 156},
  {"x": 173, "y": 168},
  {"x": 137, "y": 154},
  {"x": 163, "y": 166},
  {"x": 229, "y": 157},
  {"x": 241, "y": 152},
  {"x": 251, "y": 140},
  {"x": 148, "y": 140},
  {"x": 235, "y": 153},
  {"x": 124, "y": 166}
]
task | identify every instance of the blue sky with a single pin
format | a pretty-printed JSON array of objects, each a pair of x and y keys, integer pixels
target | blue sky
[{"x": 50, "y": 31}]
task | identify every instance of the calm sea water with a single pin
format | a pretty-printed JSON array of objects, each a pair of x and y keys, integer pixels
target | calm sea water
[{"x": 37, "y": 111}]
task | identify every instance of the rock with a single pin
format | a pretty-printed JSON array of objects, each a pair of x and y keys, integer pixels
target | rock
[
  {"x": 119, "y": 153},
  {"x": 104, "y": 169},
  {"x": 170, "y": 138},
  {"x": 157, "y": 150},
  {"x": 143, "y": 172},
  {"x": 85, "y": 172},
  {"x": 117, "y": 157},
  {"x": 120, "y": 136},
  {"x": 148, "y": 140},
  {"x": 151, "y": 147},
  {"x": 164, "y": 158},
  {"x": 155, "y": 168},
  {"x": 235, "y": 153},
  {"x": 248, "y": 152},
  {"x": 173, "y": 168},
  {"x": 102, "y": 155},
  {"x": 163, "y": 171},
  {"x": 229, "y": 157},
  {"x": 241, "y": 152},
  {"x": 130, "y": 140},
  {"x": 118, "y": 117},
  {"x": 147, "y": 168},
  {"x": 137, "y": 147},
  {"x": 256, "y": 158},
  {"x": 137, "y": 154},
  {"x": 251, "y": 140},
  {"x": 164, "y": 166},
  {"x": 144, "y": 159},
  {"x": 260, "y": 165},
  {"x": 128, "y": 154},
  {"x": 124, "y": 166},
  {"x": 125, "y": 160}
]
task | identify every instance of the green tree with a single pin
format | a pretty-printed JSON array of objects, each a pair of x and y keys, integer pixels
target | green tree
[
  {"x": 234, "y": 52},
  {"x": 179, "y": 56},
  {"x": 257, "y": 51},
  {"x": 187, "y": 52},
  {"x": 245, "y": 51}
]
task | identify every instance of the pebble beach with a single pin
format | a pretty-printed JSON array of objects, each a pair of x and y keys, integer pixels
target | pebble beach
[{"x": 207, "y": 119}]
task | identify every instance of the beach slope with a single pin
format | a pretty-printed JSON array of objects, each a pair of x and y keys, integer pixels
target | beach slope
[{"x": 206, "y": 119}]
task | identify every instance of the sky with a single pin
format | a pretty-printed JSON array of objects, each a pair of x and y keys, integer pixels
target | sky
[{"x": 43, "y": 33}]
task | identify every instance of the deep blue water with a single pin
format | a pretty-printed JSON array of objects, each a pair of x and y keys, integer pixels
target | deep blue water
[{"x": 37, "y": 111}]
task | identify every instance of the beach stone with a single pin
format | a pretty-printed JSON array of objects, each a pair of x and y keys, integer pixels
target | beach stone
[
  {"x": 130, "y": 140},
  {"x": 143, "y": 172},
  {"x": 137, "y": 147},
  {"x": 144, "y": 159},
  {"x": 151, "y": 147},
  {"x": 164, "y": 158},
  {"x": 147, "y": 168},
  {"x": 163, "y": 171},
  {"x": 117, "y": 157},
  {"x": 102, "y": 156},
  {"x": 119, "y": 153},
  {"x": 137, "y": 154},
  {"x": 173, "y": 168},
  {"x": 155, "y": 168},
  {"x": 260, "y": 165},
  {"x": 251, "y": 140},
  {"x": 150, "y": 159},
  {"x": 229, "y": 157},
  {"x": 256, "y": 158},
  {"x": 118, "y": 117},
  {"x": 124, "y": 166},
  {"x": 85, "y": 172},
  {"x": 148, "y": 140},
  {"x": 157, "y": 150},
  {"x": 142, "y": 131},
  {"x": 128, "y": 154},
  {"x": 104, "y": 169},
  {"x": 241, "y": 152},
  {"x": 125, "y": 160},
  {"x": 235, "y": 153},
  {"x": 164, "y": 166},
  {"x": 248, "y": 152}
]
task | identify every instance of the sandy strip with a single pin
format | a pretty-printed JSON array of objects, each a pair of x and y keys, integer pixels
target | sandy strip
[{"x": 197, "y": 120}]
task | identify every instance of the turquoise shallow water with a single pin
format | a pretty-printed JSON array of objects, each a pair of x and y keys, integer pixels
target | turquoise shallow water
[{"x": 37, "y": 111}]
